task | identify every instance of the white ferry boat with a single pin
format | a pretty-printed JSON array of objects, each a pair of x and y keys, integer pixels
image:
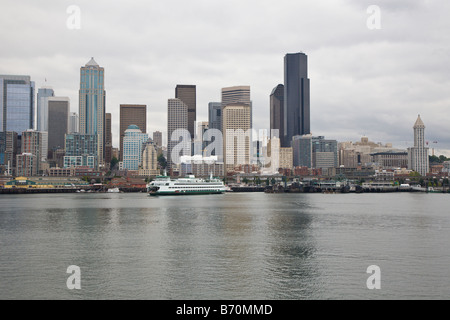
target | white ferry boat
[{"x": 185, "y": 186}]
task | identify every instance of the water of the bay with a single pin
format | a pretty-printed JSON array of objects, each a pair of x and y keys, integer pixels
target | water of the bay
[{"x": 231, "y": 246}]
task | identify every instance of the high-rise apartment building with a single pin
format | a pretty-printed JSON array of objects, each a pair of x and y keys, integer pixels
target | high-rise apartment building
[
  {"x": 133, "y": 146},
  {"x": 177, "y": 118},
  {"x": 58, "y": 122},
  {"x": 132, "y": 114},
  {"x": 296, "y": 96},
  {"x": 81, "y": 150},
  {"x": 42, "y": 107},
  {"x": 188, "y": 94},
  {"x": 27, "y": 165},
  {"x": 277, "y": 113},
  {"x": 92, "y": 104},
  {"x": 236, "y": 125},
  {"x": 35, "y": 143},
  {"x": 418, "y": 155},
  {"x": 16, "y": 103}
]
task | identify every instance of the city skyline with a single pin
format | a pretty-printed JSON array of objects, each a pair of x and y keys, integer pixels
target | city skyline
[{"x": 358, "y": 76}]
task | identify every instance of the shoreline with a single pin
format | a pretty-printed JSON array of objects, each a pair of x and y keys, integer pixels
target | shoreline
[{"x": 23, "y": 191}]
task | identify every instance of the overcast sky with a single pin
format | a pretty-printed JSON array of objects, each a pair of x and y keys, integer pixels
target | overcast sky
[{"x": 363, "y": 82}]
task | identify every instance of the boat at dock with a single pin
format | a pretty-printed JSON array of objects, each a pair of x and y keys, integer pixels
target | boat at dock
[{"x": 185, "y": 186}]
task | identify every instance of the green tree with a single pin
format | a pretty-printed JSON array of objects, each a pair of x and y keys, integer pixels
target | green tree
[
  {"x": 267, "y": 182},
  {"x": 162, "y": 161},
  {"x": 414, "y": 174},
  {"x": 273, "y": 181},
  {"x": 434, "y": 159},
  {"x": 114, "y": 162},
  {"x": 245, "y": 180}
]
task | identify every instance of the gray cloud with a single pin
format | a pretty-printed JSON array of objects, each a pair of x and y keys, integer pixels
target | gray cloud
[{"x": 371, "y": 82}]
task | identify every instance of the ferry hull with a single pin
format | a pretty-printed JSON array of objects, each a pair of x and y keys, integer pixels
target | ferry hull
[{"x": 183, "y": 193}]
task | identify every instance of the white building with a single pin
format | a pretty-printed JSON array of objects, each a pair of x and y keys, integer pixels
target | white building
[
  {"x": 74, "y": 126},
  {"x": 418, "y": 156},
  {"x": 133, "y": 145}
]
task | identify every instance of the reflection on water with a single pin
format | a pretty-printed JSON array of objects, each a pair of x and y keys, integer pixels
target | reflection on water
[{"x": 233, "y": 246}]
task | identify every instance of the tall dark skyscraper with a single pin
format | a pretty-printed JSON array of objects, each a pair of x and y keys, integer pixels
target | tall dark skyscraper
[
  {"x": 108, "y": 139},
  {"x": 188, "y": 94},
  {"x": 296, "y": 96},
  {"x": 58, "y": 122},
  {"x": 277, "y": 112}
]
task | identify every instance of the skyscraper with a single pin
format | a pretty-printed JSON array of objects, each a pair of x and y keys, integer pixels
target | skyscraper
[
  {"x": 177, "y": 118},
  {"x": 42, "y": 107},
  {"x": 296, "y": 96},
  {"x": 132, "y": 114},
  {"x": 237, "y": 94},
  {"x": 74, "y": 123},
  {"x": 92, "y": 103},
  {"x": 236, "y": 124},
  {"x": 277, "y": 113},
  {"x": 188, "y": 94},
  {"x": 215, "y": 115},
  {"x": 133, "y": 147},
  {"x": 418, "y": 155},
  {"x": 157, "y": 138},
  {"x": 58, "y": 122},
  {"x": 16, "y": 103},
  {"x": 108, "y": 139}
]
